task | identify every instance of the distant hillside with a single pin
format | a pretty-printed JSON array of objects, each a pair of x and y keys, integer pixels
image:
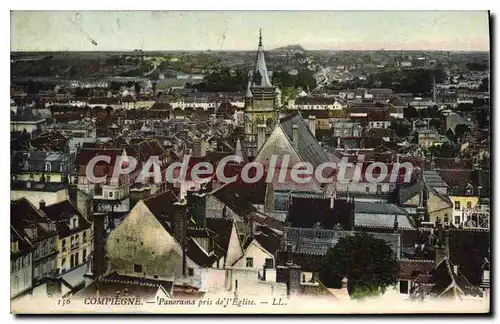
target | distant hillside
[{"x": 289, "y": 48}]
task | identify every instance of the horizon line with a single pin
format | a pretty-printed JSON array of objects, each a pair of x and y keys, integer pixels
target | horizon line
[{"x": 253, "y": 50}]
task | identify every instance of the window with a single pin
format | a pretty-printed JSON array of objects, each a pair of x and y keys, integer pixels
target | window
[
  {"x": 249, "y": 262},
  {"x": 98, "y": 189},
  {"x": 403, "y": 286},
  {"x": 138, "y": 268},
  {"x": 469, "y": 204},
  {"x": 111, "y": 194},
  {"x": 77, "y": 259},
  {"x": 47, "y": 166},
  {"x": 84, "y": 255},
  {"x": 32, "y": 176},
  {"x": 47, "y": 178},
  {"x": 84, "y": 235},
  {"x": 190, "y": 272},
  {"x": 73, "y": 225},
  {"x": 367, "y": 189},
  {"x": 269, "y": 263},
  {"x": 63, "y": 244},
  {"x": 379, "y": 189},
  {"x": 63, "y": 262},
  {"x": 457, "y": 205},
  {"x": 457, "y": 219}
]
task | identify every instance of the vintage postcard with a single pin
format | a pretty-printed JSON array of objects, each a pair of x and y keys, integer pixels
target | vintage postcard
[{"x": 250, "y": 162}]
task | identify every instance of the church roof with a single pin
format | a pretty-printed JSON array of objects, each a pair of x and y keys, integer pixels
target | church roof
[{"x": 308, "y": 147}]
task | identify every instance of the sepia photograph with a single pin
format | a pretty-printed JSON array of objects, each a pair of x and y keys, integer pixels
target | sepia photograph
[{"x": 250, "y": 162}]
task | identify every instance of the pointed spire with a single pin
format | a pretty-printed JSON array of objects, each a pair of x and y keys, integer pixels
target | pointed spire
[
  {"x": 261, "y": 77},
  {"x": 239, "y": 151},
  {"x": 248, "y": 94}
]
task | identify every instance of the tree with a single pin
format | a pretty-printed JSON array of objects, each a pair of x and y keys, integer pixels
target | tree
[
  {"x": 447, "y": 150},
  {"x": 410, "y": 112},
  {"x": 461, "y": 130},
  {"x": 435, "y": 123},
  {"x": 401, "y": 128},
  {"x": 137, "y": 88},
  {"x": 369, "y": 264}
]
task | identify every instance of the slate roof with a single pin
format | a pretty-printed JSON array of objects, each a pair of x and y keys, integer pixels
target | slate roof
[
  {"x": 363, "y": 207},
  {"x": 319, "y": 211},
  {"x": 458, "y": 179},
  {"x": 35, "y": 161},
  {"x": 443, "y": 277},
  {"x": 433, "y": 179},
  {"x": 369, "y": 214},
  {"x": 24, "y": 216},
  {"x": 198, "y": 255},
  {"x": 308, "y": 147},
  {"x": 111, "y": 282},
  {"x": 61, "y": 213},
  {"x": 239, "y": 196},
  {"x": 162, "y": 207},
  {"x": 270, "y": 242},
  {"x": 222, "y": 229}
]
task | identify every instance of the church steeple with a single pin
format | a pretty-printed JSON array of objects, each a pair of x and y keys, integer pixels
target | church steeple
[{"x": 261, "y": 77}]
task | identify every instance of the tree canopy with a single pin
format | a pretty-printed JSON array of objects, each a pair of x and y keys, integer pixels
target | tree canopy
[
  {"x": 369, "y": 264},
  {"x": 401, "y": 128}
]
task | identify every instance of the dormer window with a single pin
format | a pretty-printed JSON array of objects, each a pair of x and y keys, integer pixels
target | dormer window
[{"x": 47, "y": 167}]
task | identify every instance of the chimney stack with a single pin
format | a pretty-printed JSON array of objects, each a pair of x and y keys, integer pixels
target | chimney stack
[
  {"x": 312, "y": 125},
  {"x": 199, "y": 148},
  {"x": 261, "y": 135},
  {"x": 293, "y": 279},
  {"x": 180, "y": 229},
  {"x": 396, "y": 224},
  {"x": 196, "y": 204},
  {"x": 54, "y": 288},
  {"x": 441, "y": 248},
  {"x": 344, "y": 283},
  {"x": 295, "y": 135},
  {"x": 289, "y": 254}
]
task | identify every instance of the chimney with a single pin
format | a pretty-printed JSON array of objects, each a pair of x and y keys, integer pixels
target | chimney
[
  {"x": 54, "y": 288},
  {"x": 261, "y": 135},
  {"x": 441, "y": 247},
  {"x": 396, "y": 224},
  {"x": 344, "y": 283},
  {"x": 455, "y": 269},
  {"x": 199, "y": 148},
  {"x": 99, "y": 264},
  {"x": 41, "y": 204},
  {"x": 295, "y": 135},
  {"x": 180, "y": 229},
  {"x": 196, "y": 204},
  {"x": 289, "y": 254},
  {"x": 312, "y": 125},
  {"x": 293, "y": 280}
]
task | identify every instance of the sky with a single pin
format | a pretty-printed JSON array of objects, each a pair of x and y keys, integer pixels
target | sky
[{"x": 239, "y": 30}]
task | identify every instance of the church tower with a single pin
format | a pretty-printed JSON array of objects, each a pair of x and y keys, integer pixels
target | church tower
[{"x": 261, "y": 101}]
